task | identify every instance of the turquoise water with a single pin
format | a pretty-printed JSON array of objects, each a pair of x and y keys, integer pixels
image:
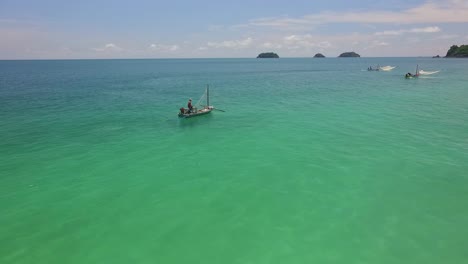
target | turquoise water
[{"x": 313, "y": 161}]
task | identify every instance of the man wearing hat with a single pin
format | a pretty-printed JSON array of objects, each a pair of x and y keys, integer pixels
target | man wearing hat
[{"x": 189, "y": 106}]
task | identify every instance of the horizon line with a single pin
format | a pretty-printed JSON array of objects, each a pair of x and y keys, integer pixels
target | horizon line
[{"x": 204, "y": 58}]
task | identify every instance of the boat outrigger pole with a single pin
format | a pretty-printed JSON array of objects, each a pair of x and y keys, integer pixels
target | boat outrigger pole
[{"x": 207, "y": 95}]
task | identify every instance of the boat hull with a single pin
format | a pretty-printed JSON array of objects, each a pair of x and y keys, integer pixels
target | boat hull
[
  {"x": 198, "y": 113},
  {"x": 411, "y": 77}
]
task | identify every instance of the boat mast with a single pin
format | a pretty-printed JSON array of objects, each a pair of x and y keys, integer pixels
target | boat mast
[{"x": 207, "y": 95}]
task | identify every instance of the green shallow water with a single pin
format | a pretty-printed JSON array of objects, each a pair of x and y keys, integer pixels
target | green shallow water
[{"x": 314, "y": 160}]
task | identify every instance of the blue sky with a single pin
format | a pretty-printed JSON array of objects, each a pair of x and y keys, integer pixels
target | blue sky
[{"x": 53, "y": 29}]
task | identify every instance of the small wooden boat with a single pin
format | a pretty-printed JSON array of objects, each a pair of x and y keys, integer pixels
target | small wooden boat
[{"x": 205, "y": 109}]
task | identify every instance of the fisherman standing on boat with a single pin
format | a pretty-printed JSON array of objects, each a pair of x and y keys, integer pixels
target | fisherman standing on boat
[{"x": 189, "y": 106}]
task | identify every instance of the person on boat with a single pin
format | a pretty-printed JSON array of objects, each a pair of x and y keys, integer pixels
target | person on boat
[
  {"x": 189, "y": 106},
  {"x": 409, "y": 75}
]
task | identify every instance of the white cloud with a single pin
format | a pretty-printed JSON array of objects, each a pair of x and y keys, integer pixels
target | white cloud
[
  {"x": 376, "y": 44},
  {"x": 389, "y": 33},
  {"x": 425, "y": 30},
  {"x": 163, "y": 48},
  {"x": 270, "y": 45},
  {"x": 282, "y": 23},
  {"x": 412, "y": 30},
  {"x": 429, "y": 12},
  {"x": 231, "y": 44},
  {"x": 324, "y": 44},
  {"x": 448, "y": 36},
  {"x": 413, "y": 40},
  {"x": 384, "y": 32},
  {"x": 110, "y": 47},
  {"x": 304, "y": 41}
]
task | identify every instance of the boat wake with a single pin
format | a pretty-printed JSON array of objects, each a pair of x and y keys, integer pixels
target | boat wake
[
  {"x": 428, "y": 77},
  {"x": 421, "y": 72},
  {"x": 387, "y": 68}
]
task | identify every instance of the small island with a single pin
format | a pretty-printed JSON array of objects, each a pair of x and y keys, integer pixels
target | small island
[
  {"x": 457, "y": 52},
  {"x": 268, "y": 55},
  {"x": 436, "y": 56},
  {"x": 349, "y": 54},
  {"x": 319, "y": 55}
]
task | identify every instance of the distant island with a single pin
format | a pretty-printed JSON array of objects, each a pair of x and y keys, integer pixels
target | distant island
[
  {"x": 319, "y": 55},
  {"x": 457, "y": 52},
  {"x": 349, "y": 54},
  {"x": 436, "y": 56},
  {"x": 268, "y": 55}
]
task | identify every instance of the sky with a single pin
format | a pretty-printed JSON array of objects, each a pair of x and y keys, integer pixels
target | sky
[{"x": 95, "y": 29}]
